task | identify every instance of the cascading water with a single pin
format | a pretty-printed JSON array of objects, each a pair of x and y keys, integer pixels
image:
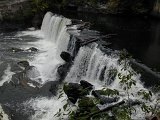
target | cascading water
[
  {"x": 54, "y": 29},
  {"x": 54, "y": 40},
  {"x": 93, "y": 65},
  {"x": 90, "y": 64}
]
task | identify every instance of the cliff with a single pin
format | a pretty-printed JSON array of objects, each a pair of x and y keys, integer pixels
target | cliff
[{"x": 15, "y": 10}]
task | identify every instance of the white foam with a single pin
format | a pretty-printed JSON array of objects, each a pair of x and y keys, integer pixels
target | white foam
[
  {"x": 3, "y": 115},
  {"x": 88, "y": 65},
  {"x": 48, "y": 108},
  {"x": 7, "y": 75}
]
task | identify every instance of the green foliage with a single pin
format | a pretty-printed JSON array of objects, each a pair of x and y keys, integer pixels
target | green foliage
[
  {"x": 146, "y": 95},
  {"x": 121, "y": 113},
  {"x": 108, "y": 92},
  {"x": 39, "y": 5},
  {"x": 86, "y": 105}
]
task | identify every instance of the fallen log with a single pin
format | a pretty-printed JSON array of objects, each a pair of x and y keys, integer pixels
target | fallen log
[
  {"x": 104, "y": 99},
  {"x": 109, "y": 107}
]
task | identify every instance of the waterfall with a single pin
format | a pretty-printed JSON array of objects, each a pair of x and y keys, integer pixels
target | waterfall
[
  {"x": 54, "y": 39},
  {"x": 98, "y": 68},
  {"x": 55, "y": 30},
  {"x": 90, "y": 64},
  {"x": 101, "y": 70}
]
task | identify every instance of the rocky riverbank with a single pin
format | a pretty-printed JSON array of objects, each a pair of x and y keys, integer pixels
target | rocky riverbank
[
  {"x": 18, "y": 14},
  {"x": 15, "y": 10},
  {"x": 23, "y": 11}
]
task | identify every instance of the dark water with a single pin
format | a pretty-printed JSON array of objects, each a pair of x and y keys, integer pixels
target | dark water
[{"x": 139, "y": 35}]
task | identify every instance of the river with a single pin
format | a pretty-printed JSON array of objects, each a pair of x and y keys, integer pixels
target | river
[{"x": 32, "y": 100}]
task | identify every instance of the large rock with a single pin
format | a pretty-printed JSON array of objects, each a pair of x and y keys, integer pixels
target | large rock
[
  {"x": 66, "y": 56},
  {"x": 29, "y": 76},
  {"x": 21, "y": 79},
  {"x": 23, "y": 64},
  {"x": 62, "y": 70},
  {"x": 75, "y": 90}
]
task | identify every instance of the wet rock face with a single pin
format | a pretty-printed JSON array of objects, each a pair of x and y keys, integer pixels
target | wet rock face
[
  {"x": 37, "y": 21},
  {"x": 62, "y": 70},
  {"x": 66, "y": 56},
  {"x": 29, "y": 76},
  {"x": 72, "y": 90},
  {"x": 24, "y": 64},
  {"x": 86, "y": 85}
]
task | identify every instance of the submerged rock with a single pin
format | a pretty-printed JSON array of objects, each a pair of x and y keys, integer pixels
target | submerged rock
[
  {"x": 16, "y": 50},
  {"x": 22, "y": 80},
  {"x": 32, "y": 49},
  {"x": 29, "y": 76}
]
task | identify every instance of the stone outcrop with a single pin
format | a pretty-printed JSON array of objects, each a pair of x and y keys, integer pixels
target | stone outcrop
[{"x": 15, "y": 10}]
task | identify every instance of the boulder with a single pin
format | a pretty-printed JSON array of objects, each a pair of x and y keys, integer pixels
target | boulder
[
  {"x": 75, "y": 90},
  {"x": 21, "y": 79},
  {"x": 66, "y": 56},
  {"x": 23, "y": 64},
  {"x": 62, "y": 70}
]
